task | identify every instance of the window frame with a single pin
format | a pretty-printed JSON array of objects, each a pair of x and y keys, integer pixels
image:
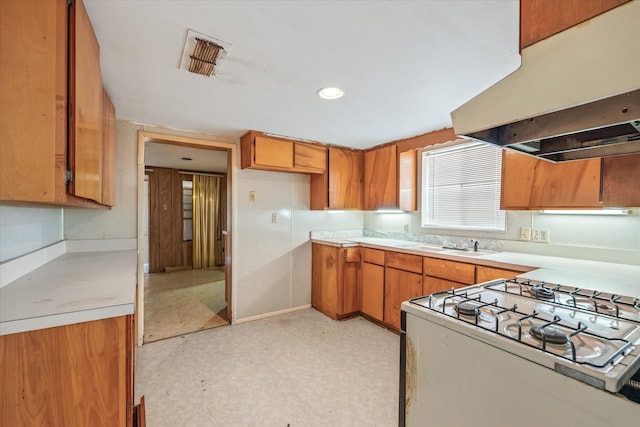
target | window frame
[{"x": 422, "y": 202}]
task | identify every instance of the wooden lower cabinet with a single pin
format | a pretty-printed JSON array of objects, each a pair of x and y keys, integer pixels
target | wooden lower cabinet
[
  {"x": 373, "y": 290},
  {"x": 72, "y": 375},
  {"x": 399, "y": 286},
  {"x": 484, "y": 274},
  {"x": 334, "y": 282}
]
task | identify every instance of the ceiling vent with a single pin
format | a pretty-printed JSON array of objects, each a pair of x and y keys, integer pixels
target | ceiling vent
[{"x": 203, "y": 54}]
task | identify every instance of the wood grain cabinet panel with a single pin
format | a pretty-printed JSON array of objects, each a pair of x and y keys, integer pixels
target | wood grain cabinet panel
[
  {"x": 380, "y": 178},
  {"x": 450, "y": 270},
  {"x": 33, "y": 100},
  {"x": 86, "y": 113},
  {"x": 73, "y": 375},
  {"x": 273, "y": 152},
  {"x": 108, "y": 150},
  {"x": 51, "y": 106},
  {"x": 373, "y": 256},
  {"x": 340, "y": 187},
  {"x": 402, "y": 261},
  {"x": 334, "y": 280},
  {"x": 399, "y": 286},
  {"x": 484, "y": 274},
  {"x": 308, "y": 156},
  {"x": 431, "y": 285},
  {"x": 620, "y": 179},
  {"x": 531, "y": 183},
  {"x": 540, "y": 19},
  {"x": 259, "y": 151},
  {"x": 373, "y": 290}
]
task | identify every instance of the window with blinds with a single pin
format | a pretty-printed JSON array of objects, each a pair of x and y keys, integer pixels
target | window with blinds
[{"x": 461, "y": 187}]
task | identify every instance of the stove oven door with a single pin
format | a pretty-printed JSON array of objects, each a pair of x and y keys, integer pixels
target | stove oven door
[{"x": 449, "y": 378}]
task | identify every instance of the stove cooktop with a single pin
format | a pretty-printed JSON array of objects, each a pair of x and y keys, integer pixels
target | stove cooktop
[{"x": 591, "y": 336}]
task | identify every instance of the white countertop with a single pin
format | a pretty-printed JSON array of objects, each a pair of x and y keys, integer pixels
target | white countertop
[
  {"x": 623, "y": 279},
  {"x": 74, "y": 287}
]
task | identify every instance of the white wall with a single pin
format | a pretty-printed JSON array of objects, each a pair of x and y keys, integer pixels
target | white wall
[
  {"x": 120, "y": 221},
  {"x": 274, "y": 262},
  {"x": 26, "y": 228}
]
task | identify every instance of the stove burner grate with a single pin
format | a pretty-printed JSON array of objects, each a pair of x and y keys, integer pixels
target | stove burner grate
[
  {"x": 549, "y": 334},
  {"x": 541, "y": 292},
  {"x": 468, "y": 308}
]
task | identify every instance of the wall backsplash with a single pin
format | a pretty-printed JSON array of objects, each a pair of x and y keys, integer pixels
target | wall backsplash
[
  {"x": 597, "y": 231},
  {"x": 24, "y": 229}
]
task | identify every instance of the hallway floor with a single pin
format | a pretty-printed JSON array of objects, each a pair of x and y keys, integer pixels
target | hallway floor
[
  {"x": 300, "y": 369},
  {"x": 183, "y": 301}
]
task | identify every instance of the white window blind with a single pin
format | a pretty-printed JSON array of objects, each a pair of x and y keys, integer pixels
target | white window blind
[{"x": 461, "y": 187}]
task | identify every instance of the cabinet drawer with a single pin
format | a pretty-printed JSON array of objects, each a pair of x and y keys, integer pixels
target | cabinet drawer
[
  {"x": 405, "y": 262},
  {"x": 351, "y": 254},
  {"x": 450, "y": 270},
  {"x": 373, "y": 256},
  {"x": 484, "y": 274}
]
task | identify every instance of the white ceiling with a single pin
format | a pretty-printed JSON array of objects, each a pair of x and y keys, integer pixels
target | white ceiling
[
  {"x": 165, "y": 155},
  {"x": 403, "y": 65}
]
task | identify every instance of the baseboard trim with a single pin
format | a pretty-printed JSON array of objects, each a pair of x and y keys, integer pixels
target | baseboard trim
[{"x": 273, "y": 313}]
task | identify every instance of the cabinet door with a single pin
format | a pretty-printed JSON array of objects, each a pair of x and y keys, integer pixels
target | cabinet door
[
  {"x": 531, "y": 183},
  {"x": 431, "y": 285},
  {"x": 620, "y": 178},
  {"x": 33, "y": 100},
  {"x": 273, "y": 152},
  {"x": 345, "y": 178},
  {"x": 85, "y": 139},
  {"x": 399, "y": 286},
  {"x": 373, "y": 290},
  {"x": 407, "y": 180},
  {"x": 324, "y": 274},
  {"x": 310, "y": 156},
  {"x": 340, "y": 186},
  {"x": 73, "y": 375},
  {"x": 380, "y": 178},
  {"x": 349, "y": 298},
  {"x": 108, "y": 150}
]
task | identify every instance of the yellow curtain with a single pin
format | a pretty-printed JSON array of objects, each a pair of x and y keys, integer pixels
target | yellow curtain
[{"x": 206, "y": 200}]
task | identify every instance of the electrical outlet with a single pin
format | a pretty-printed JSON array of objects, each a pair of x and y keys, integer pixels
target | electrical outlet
[
  {"x": 252, "y": 196},
  {"x": 274, "y": 217},
  {"x": 525, "y": 233},
  {"x": 544, "y": 235},
  {"x": 541, "y": 235},
  {"x": 406, "y": 228}
]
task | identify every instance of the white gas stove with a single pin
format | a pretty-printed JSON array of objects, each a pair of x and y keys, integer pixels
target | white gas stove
[{"x": 571, "y": 333}]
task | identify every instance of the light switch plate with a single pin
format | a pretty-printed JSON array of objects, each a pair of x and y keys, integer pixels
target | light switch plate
[{"x": 525, "y": 233}]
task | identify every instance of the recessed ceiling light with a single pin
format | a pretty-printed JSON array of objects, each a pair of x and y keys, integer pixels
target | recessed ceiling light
[{"x": 330, "y": 93}]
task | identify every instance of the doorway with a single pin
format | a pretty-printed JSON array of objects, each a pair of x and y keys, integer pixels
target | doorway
[{"x": 186, "y": 262}]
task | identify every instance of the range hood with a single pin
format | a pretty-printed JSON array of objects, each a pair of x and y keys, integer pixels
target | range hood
[{"x": 575, "y": 96}]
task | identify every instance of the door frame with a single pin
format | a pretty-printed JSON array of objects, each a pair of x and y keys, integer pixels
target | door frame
[{"x": 231, "y": 246}]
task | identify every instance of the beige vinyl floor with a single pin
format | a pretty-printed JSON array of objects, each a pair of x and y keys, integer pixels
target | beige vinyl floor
[
  {"x": 299, "y": 369},
  {"x": 183, "y": 301}
]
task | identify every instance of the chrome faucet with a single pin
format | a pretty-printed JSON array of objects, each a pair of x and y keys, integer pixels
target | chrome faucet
[{"x": 475, "y": 245}]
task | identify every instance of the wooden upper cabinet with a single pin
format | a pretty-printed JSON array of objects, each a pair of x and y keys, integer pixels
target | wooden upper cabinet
[
  {"x": 620, "y": 178},
  {"x": 540, "y": 19},
  {"x": 108, "y": 150},
  {"x": 85, "y": 127},
  {"x": 340, "y": 187},
  {"x": 42, "y": 96},
  {"x": 33, "y": 100},
  {"x": 532, "y": 183},
  {"x": 259, "y": 151},
  {"x": 380, "y": 181},
  {"x": 389, "y": 178},
  {"x": 407, "y": 180},
  {"x": 273, "y": 152}
]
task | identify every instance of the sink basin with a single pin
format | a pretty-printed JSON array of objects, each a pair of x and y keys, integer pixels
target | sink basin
[{"x": 466, "y": 253}]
